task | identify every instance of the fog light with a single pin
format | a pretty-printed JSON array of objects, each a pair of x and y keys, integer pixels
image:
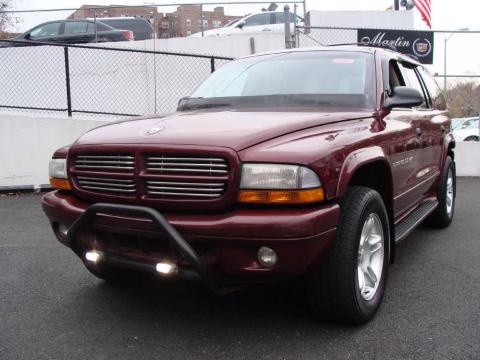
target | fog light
[
  {"x": 93, "y": 256},
  {"x": 166, "y": 268},
  {"x": 267, "y": 257},
  {"x": 63, "y": 230}
]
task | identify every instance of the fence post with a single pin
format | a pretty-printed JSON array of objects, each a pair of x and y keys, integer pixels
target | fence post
[
  {"x": 201, "y": 18},
  {"x": 212, "y": 64},
  {"x": 286, "y": 12},
  {"x": 67, "y": 79}
]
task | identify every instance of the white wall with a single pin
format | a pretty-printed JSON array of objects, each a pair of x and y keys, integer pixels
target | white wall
[
  {"x": 466, "y": 158},
  {"x": 28, "y": 142}
]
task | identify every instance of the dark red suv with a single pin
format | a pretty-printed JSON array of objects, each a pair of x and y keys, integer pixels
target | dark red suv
[{"x": 310, "y": 163}]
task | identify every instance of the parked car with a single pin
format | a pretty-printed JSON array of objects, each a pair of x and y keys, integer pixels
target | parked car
[
  {"x": 266, "y": 22},
  {"x": 305, "y": 163},
  {"x": 467, "y": 129},
  {"x": 74, "y": 32},
  {"x": 140, "y": 27}
]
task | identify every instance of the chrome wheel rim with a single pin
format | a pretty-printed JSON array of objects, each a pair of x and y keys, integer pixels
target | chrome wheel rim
[
  {"x": 371, "y": 252},
  {"x": 449, "y": 195}
]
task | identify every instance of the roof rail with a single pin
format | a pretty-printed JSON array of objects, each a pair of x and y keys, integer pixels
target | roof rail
[{"x": 389, "y": 46}]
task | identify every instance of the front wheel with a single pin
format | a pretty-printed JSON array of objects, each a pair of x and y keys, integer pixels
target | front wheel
[{"x": 349, "y": 287}]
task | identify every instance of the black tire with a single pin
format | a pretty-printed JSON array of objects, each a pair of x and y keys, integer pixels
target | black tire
[
  {"x": 471, "y": 138},
  {"x": 333, "y": 290},
  {"x": 114, "y": 275},
  {"x": 441, "y": 217}
]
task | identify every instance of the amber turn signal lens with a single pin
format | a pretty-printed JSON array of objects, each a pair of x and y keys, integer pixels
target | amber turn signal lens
[
  {"x": 60, "y": 184},
  {"x": 281, "y": 197}
]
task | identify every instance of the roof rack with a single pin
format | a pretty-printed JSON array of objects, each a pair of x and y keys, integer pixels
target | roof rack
[{"x": 389, "y": 46}]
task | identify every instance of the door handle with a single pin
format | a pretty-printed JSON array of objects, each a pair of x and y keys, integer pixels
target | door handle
[
  {"x": 418, "y": 133},
  {"x": 267, "y": 29}
]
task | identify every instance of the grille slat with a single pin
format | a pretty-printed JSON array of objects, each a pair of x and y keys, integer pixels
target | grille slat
[
  {"x": 109, "y": 185},
  {"x": 192, "y": 165},
  {"x": 174, "y": 189},
  {"x": 108, "y": 162}
]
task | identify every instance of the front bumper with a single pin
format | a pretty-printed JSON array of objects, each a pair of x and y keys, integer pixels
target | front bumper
[{"x": 229, "y": 242}]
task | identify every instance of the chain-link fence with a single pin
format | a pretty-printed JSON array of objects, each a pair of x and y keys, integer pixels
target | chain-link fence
[{"x": 98, "y": 80}]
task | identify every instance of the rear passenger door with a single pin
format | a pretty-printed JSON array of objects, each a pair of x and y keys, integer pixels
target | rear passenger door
[{"x": 77, "y": 32}]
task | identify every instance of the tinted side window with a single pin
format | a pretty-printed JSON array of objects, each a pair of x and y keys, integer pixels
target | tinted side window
[
  {"x": 412, "y": 80},
  {"x": 75, "y": 27},
  {"x": 260, "y": 19},
  {"x": 52, "y": 29},
  {"x": 436, "y": 96}
]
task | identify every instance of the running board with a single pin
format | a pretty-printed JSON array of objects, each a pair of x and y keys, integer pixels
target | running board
[{"x": 407, "y": 225}]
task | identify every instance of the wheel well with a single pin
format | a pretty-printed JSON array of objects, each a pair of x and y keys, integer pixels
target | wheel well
[{"x": 377, "y": 176}]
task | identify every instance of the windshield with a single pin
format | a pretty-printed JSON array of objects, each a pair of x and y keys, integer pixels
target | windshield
[{"x": 315, "y": 78}]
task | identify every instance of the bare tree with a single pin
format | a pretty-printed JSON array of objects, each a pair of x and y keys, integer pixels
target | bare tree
[
  {"x": 7, "y": 20},
  {"x": 464, "y": 99}
]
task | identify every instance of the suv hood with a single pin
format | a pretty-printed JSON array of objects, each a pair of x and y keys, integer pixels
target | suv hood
[{"x": 236, "y": 129}]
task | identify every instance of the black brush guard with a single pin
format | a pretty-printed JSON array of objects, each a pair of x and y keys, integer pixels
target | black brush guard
[{"x": 85, "y": 221}]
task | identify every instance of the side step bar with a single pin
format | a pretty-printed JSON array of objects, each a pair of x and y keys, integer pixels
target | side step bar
[
  {"x": 407, "y": 225},
  {"x": 85, "y": 221}
]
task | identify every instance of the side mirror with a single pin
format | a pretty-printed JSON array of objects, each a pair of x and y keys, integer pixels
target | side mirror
[
  {"x": 404, "y": 97},
  {"x": 240, "y": 24},
  {"x": 27, "y": 36}
]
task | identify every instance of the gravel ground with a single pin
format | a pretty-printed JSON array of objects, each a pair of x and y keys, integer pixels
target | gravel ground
[{"x": 52, "y": 308}]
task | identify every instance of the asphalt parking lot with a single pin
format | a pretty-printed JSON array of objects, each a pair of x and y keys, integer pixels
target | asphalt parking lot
[{"x": 52, "y": 308}]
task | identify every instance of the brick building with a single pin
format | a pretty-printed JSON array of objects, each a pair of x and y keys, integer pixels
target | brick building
[
  {"x": 186, "y": 20},
  {"x": 89, "y": 11}
]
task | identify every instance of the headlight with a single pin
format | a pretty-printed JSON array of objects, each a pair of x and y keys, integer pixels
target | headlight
[
  {"x": 273, "y": 177},
  {"x": 57, "y": 170},
  {"x": 279, "y": 183}
]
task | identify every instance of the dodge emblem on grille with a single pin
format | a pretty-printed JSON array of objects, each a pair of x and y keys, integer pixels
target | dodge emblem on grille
[{"x": 154, "y": 130}]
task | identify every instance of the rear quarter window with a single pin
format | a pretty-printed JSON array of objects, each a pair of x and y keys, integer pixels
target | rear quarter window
[{"x": 436, "y": 97}]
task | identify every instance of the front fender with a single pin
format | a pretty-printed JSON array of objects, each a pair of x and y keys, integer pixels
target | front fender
[{"x": 354, "y": 161}]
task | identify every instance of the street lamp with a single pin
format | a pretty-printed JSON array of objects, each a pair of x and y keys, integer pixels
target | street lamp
[{"x": 445, "y": 58}]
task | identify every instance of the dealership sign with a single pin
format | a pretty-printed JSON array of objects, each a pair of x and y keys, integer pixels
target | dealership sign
[{"x": 416, "y": 43}]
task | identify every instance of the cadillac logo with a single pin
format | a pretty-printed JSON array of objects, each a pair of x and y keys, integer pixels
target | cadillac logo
[
  {"x": 154, "y": 130},
  {"x": 422, "y": 47}
]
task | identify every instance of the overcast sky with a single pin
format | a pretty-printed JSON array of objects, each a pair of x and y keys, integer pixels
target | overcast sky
[{"x": 463, "y": 50}]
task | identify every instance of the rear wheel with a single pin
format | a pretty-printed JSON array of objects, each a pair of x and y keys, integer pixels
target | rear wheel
[
  {"x": 349, "y": 287},
  {"x": 443, "y": 214}
]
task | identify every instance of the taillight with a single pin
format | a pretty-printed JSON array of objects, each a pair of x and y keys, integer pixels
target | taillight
[{"x": 128, "y": 35}]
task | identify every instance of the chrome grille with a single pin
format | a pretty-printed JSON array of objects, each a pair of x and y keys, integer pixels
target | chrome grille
[
  {"x": 101, "y": 184},
  {"x": 172, "y": 189},
  {"x": 183, "y": 164},
  {"x": 100, "y": 162}
]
